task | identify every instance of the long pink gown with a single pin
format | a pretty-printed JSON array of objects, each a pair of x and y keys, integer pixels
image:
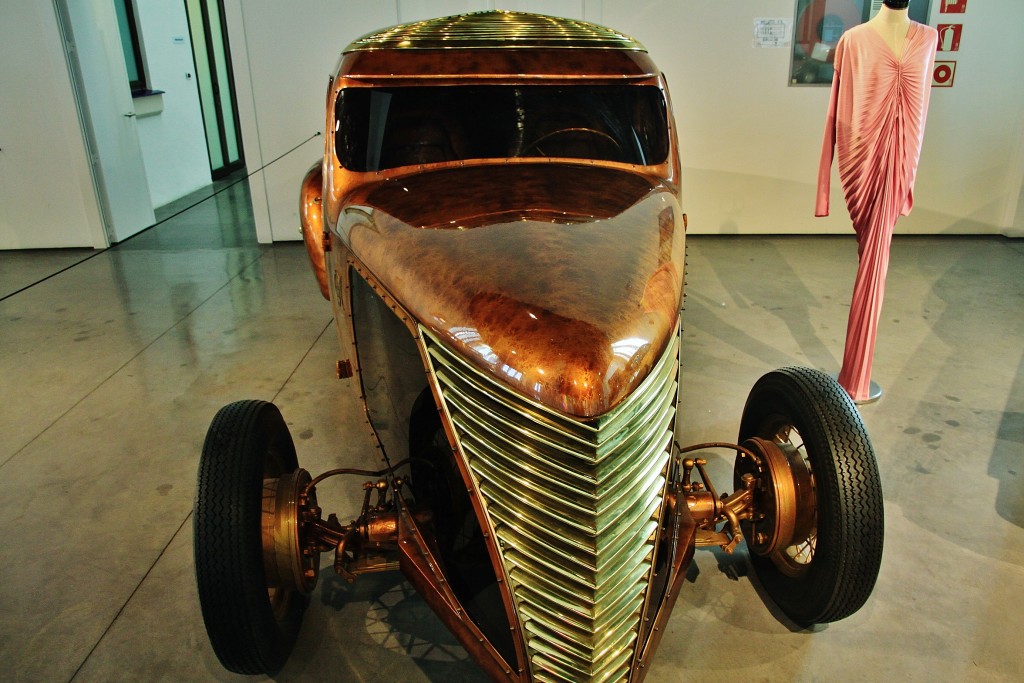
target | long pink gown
[{"x": 876, "y": 118}]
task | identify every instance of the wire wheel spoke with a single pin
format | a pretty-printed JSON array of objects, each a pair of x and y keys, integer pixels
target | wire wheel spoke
[{"x": 802, "y": 553}]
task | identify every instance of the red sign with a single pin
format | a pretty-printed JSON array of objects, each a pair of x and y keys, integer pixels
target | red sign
[
  {"x": 949, "y": 37},
  {"x": 944, "y": 74},
  {"x": 953, "y": 7}
]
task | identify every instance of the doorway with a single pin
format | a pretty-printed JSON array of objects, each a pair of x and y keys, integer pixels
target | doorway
[
  {"x": 100, "y": 83},
  {"x": 216, "y": 86}
]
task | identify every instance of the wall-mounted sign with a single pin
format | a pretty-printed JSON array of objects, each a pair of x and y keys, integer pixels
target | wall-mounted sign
[
  {"x": 953, "y": 7},
  {"x": 944, "y": 74},
  {"x": 773, "y": 32},
  {"x": 949, "y": 37}
]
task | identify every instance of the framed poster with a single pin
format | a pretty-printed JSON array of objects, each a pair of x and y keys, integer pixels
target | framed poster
[{"x": 818, "y": 26}]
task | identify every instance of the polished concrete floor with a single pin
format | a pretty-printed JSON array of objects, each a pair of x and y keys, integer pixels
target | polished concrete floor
[{"x": 111, "y": 370}]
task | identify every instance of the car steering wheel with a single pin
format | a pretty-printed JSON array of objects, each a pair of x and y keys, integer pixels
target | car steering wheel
[{"x": 565, "y": 131}]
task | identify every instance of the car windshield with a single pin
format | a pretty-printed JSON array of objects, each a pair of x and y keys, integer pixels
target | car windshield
[{"x": 381, "y": 128}]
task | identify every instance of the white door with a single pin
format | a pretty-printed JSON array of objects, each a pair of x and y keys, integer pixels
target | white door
[{"x": 108, "y": 115}]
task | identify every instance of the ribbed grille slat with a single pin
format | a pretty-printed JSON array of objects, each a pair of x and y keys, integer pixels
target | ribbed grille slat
[
  {"x": 572, "y": 436},
  {"x": 574, "y": 504}
]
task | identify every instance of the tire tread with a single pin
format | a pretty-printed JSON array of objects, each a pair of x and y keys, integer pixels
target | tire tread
[
  {"x": 848, "y": 474},
  {"x": 227, "y": 547}
]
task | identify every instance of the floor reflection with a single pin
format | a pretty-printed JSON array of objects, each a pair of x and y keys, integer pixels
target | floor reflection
[
  {"x": 216, "y": 216},
  {"x": 21, "y": 268}
]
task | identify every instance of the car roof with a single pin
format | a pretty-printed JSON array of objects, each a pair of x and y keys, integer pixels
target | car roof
[
  {"x": 495, "y": 29},
  {"x": 494, "y": 46}
]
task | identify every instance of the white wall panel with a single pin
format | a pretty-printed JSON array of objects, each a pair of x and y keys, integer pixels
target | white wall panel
[
  {"x": 46, "y": 191},
  {"x": 417, "y": 10},
  {"x": 574, "y": 9},
  {"x": 282, "y": 55}
]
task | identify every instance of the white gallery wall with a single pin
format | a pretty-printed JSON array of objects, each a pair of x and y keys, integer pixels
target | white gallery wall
[
  {"x": 750, "y": 142},
  {"x": 46, "y": 191},
  {"x": 282, "y": 55},
  {"x": 47, "y": 196}
]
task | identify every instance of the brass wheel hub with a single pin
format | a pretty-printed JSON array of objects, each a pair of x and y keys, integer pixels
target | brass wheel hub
[
  {"x": 287, "y": 562},
  {"x": 783, "y": 525}
]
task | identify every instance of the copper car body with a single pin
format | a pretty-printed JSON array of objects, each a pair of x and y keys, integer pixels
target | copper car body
[
  {"x": 542, "y": 294},
  {"x": 496, "y": 222}
]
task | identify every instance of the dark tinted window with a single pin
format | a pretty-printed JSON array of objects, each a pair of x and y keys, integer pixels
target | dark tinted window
[{"x": 379, "y": 128}]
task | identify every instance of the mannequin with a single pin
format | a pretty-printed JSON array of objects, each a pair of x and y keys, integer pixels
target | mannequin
[
  {"x": 892, "y": 23},
  {"x": 875, "y": 126}
]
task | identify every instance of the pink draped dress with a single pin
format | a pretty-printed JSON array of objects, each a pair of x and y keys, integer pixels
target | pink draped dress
[{"x": 875, "y": 126}]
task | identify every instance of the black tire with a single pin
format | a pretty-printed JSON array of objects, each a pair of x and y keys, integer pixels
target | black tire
[
  {"x": 252, "y": 629},
  {"x": 837, "y": 574}
]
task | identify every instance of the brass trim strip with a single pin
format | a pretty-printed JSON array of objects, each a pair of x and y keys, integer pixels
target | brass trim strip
[{"x": 344, "y": 268}]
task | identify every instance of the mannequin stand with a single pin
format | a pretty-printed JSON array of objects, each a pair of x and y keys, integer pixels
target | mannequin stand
[{"x": 874, "y": 391}]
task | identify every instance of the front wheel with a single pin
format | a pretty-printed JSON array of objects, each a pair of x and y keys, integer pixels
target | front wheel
[
  {"x": 251, "y": 576},
  {"x": 816, "y": 540}
]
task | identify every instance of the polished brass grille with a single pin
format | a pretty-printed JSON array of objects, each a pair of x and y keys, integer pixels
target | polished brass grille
[
  {"x": 574, "y": 505},
  {"x": 496, "y": 28}
]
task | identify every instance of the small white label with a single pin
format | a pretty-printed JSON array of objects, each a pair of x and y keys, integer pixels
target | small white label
[{"x": 772, "y": 32}]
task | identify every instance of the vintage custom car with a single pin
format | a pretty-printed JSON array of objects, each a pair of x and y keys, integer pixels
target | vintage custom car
[{"x": 496, "y": 222}]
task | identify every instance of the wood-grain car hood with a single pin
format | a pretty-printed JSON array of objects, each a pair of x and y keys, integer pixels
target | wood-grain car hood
[{"x": 562, "y": 281}]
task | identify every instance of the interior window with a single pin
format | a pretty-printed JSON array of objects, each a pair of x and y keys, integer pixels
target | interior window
[{"x": 130, "y": 45}]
